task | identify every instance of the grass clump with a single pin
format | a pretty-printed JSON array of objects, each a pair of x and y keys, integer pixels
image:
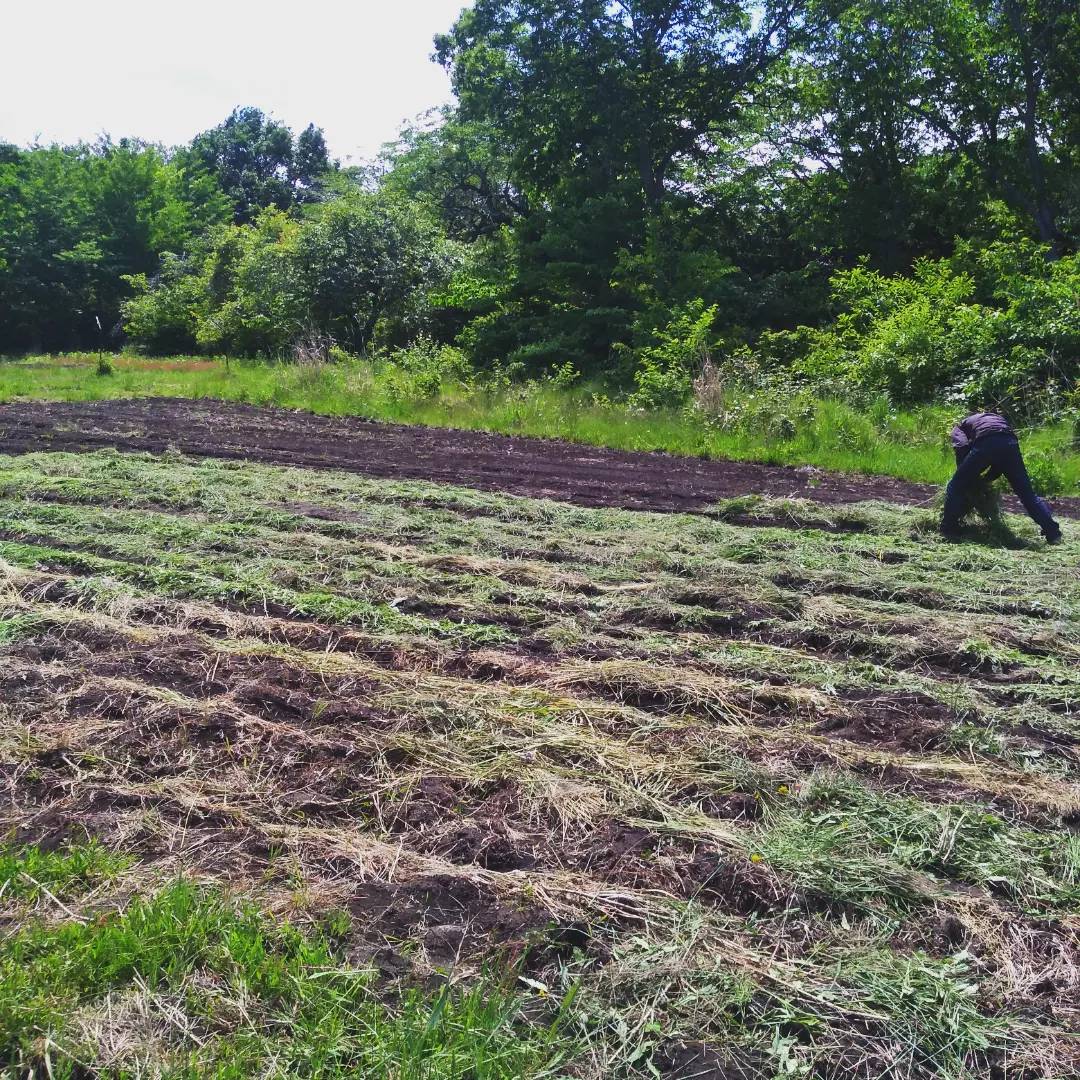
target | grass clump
[
  {"x": 27, "y": 873},
  {"x": 15, "y": 626},
  {"x": 223, "y": 990}
]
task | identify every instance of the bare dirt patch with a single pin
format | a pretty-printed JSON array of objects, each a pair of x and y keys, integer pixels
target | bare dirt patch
[
  {"x": 890, "y": 721},
  {"x": 539, "y": 468}
]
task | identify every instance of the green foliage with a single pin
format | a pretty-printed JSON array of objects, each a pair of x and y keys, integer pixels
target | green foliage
[
  {"x": 460, "y": 171},
  {"x": 31, "y": 872},
  {"x": 933, "y": 1008},
  {"x": 76, "y": 223},
  {"x": 258, "y": 163},
  {"x": 1047, "y": 476},
  {"x": 422, "y": 369},
  {"x": 843, "y": 824},
  {"x": 604, "y": 167},
  {"x": 991, "y": 326},
  {"x": 353, "y": 267},
  {"x": 162, "y": 318},
  {"x": 667, "y": 368},
  {"x": 760, "y": 419},
  {"x": 277, "y": 998}
]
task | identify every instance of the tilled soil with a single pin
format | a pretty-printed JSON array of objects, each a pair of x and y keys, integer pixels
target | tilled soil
[
  {"x": 519, "y": 799},
  {"x": 537, "y": 468}
]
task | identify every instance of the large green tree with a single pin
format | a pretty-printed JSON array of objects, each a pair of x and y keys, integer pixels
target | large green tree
[
  {"x": 612, "y": 91},
  {"x": 460, "y": 170},
  {"x": 74, "y": 221},
  {"x": 974, "y": 93},
  {"x": 1002, "y": 92},
  {"x": 609, "y": 114},
  {"x": 259, "y": 163}
]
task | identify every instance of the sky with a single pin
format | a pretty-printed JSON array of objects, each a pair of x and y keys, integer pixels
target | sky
[{"x": 76, "y": 69}]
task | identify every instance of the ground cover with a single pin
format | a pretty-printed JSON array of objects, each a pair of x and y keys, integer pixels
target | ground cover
[
  {"x": 771, "y": 427},
  {"x": 299, "y": 758}
]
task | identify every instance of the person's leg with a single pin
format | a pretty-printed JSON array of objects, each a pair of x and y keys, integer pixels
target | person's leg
[
  {"x": 1011, "y": 462},
  {"x": 958, "y": 493}
]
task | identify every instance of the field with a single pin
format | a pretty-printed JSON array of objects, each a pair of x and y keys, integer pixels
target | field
[
  {"x": 317, "y": 773},
  {"x": 410, "y": 387}
]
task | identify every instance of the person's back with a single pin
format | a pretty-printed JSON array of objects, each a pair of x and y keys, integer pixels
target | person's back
[
  {"x": 987, "y": 447},
  {"x": 978, "y": 425}
]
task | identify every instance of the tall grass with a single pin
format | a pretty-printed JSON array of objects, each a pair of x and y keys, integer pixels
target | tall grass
[{"x": 828, "y": 434}]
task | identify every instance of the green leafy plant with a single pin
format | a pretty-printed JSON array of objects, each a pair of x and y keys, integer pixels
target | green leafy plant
[
  {"x": 1047, "y": 476},
  {"x": 666, "y": 369}
]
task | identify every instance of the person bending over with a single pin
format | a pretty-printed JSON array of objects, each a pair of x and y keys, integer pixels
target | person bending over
[{"x": 987, "y": 447}]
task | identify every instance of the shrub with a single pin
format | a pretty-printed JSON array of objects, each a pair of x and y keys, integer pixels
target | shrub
[
  {"x": 350, "y": 269},
  {"x": 666, "y": 369},
  {"x": 998, "y": 323},
  {"x": 565, "y": 376},
  {"x": 420, "y": 369},
  {"x": 161, "y": 315},
  {"x": 312, "y": 350}
]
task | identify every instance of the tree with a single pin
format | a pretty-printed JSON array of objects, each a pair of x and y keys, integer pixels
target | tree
[
  {"x": 608, "y": 115},
  {"x": 74, "y": 222},
  {"x": 990, "y": 83},
  {"x": 258, "y": 164},
  {"x": 459, "y": 170},
  {"x": 607, "y": 91},
  {"x": 351, "y": 267}
]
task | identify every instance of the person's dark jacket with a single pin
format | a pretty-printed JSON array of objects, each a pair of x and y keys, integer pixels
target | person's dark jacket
[{"x": 974, "y": 427}]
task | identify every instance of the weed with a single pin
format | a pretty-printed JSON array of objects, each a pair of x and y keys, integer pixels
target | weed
[
  {"x": 30, "y": 873},
  {"x": 226, "y": 991}
]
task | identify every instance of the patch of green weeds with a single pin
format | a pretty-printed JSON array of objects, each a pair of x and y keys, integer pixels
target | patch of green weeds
[
  {"x": 14, "y": 627},
  {"x": 848, "y": 843},
  {"x": 930, "y": 1010},
  {"x": 26, "y": 873},
  {"x": 973, "y": 738},
  {"x": 252, "y": 997}
]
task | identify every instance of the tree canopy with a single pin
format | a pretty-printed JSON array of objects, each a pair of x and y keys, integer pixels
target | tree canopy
[{"x": 608, "y": 173}]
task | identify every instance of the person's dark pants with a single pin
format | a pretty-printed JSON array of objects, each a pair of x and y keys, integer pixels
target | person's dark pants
[{"x": 994, "y": 455}]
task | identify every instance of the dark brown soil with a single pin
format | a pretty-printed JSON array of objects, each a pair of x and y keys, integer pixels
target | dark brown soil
[
  {"x": 700, "y": 1061},
  {"x": 891, "y": 721},
  {"x": 538, "y": 468},
  {"x": 454, "y": 918}
]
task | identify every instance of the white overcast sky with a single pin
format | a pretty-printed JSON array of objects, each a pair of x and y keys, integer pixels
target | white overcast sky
[{"x": 74, "y": 69}]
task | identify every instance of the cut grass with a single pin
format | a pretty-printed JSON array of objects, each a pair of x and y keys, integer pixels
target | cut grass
[
  {"x": 795, "y": 792},
  {"x": 839, "y": 827}
]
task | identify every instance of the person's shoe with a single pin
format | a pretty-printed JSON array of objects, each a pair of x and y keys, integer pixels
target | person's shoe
[{"x": 1052, "y": 541}]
